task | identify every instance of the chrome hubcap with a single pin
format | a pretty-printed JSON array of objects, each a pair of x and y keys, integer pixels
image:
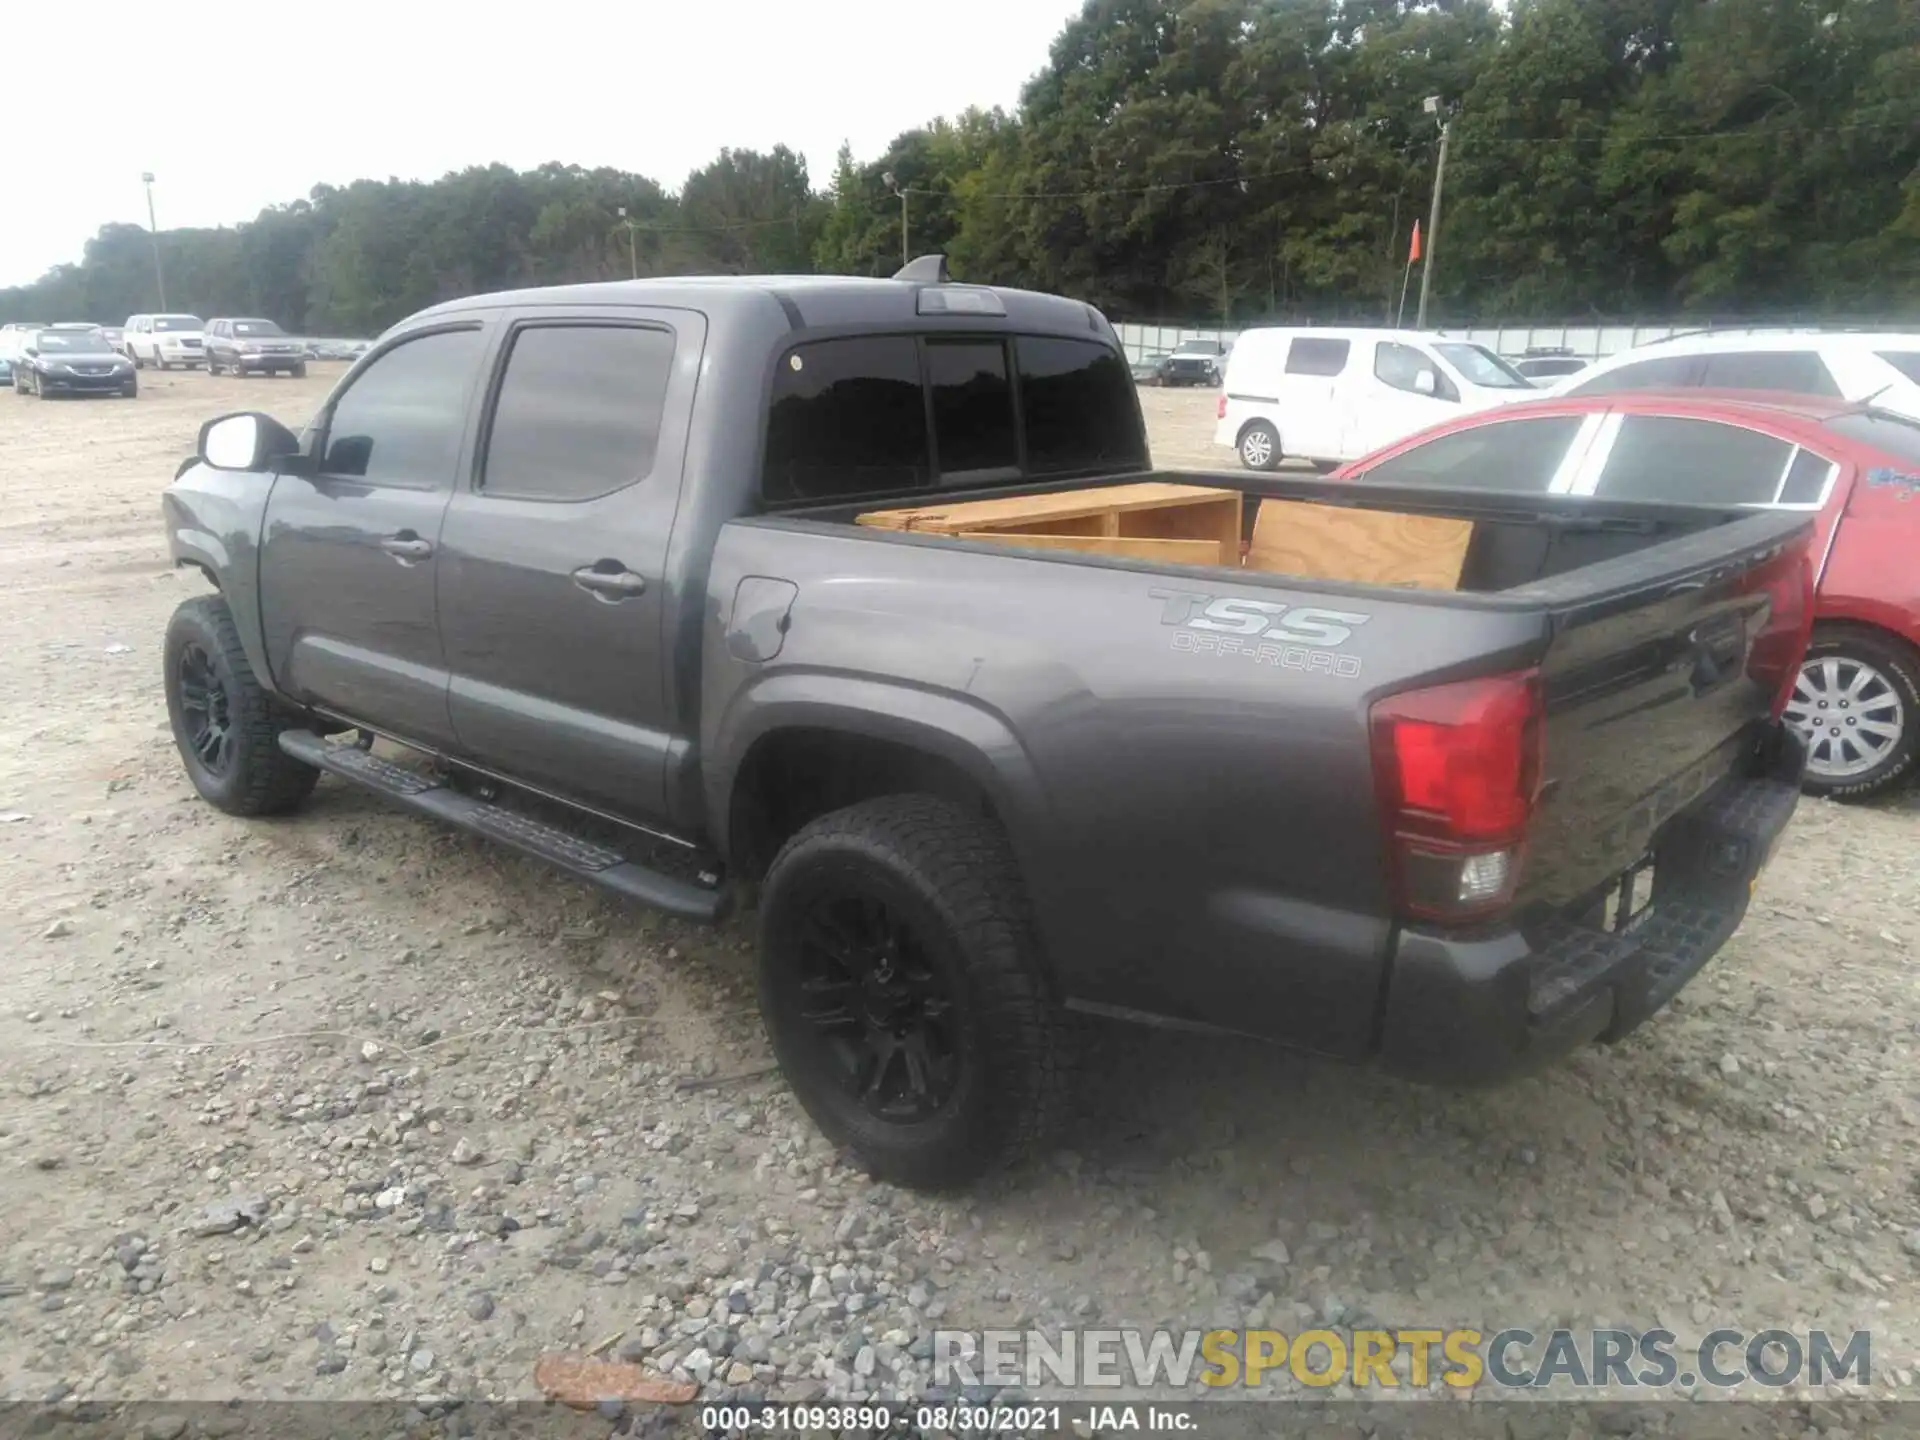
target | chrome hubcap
[
  {"x": 1256, "y": 448},
  {"x": 1850, "y": 713}
]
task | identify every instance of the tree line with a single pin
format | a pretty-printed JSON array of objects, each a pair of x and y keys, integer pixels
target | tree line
[{"x": 1213, "y": 160}]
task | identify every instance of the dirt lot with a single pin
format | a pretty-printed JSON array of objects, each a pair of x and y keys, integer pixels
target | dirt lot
[{"x": 341, "y": 1106}]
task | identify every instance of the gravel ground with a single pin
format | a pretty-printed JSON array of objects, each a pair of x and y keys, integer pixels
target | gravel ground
[{"x": 345, "y": 1107}]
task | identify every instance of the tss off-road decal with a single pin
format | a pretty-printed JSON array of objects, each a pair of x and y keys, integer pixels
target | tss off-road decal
[{"x": 1262, "y": 632}]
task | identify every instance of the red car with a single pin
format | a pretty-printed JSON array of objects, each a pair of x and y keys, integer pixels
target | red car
[{"x": 1856, "y": 470}]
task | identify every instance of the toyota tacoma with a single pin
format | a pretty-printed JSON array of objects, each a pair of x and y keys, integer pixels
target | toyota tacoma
[{"x": 581, "y": 570}]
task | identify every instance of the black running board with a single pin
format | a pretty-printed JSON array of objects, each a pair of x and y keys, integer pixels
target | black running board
[{"x": 582, "y": 859}]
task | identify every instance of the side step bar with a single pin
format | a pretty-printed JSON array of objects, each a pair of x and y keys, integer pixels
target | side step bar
[{"x": 580, "y": 858}]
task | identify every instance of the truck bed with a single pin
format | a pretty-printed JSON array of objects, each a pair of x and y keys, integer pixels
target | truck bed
[
  {"x": 1515, "y": 543},
  {"x": 1197, "y": 736}
]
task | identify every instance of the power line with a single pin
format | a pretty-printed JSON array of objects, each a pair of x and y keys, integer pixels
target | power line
[{"x": 1782, "y": 133}]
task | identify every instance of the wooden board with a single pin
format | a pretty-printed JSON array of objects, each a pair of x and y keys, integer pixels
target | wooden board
[
  {"x": 1133, "y": 547},
  {"x": 1042, "y": 512},
  {"x": 1379, "y": 547}
]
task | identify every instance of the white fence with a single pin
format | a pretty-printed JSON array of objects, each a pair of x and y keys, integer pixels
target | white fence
[{"x": 1589, "y": 342}]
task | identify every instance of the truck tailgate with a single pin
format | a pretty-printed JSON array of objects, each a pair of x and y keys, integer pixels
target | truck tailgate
[{"x": 1663, "y": 667}]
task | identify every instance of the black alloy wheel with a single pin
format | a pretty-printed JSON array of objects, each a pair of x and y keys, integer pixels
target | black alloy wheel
[
  {"x": 882, "y": 1016},
  {"x": 206, "y": 711}
]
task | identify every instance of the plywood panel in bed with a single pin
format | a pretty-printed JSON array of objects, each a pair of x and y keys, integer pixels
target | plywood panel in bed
[{"x": 1333, "y": 542}]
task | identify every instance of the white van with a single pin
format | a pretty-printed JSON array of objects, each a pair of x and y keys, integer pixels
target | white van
[
  {"x": 164, "y": 341},
  {"x": 1334, "y": 395}
]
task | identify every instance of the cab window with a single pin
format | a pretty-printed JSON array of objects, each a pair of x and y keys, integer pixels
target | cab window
[{"x": 401, "y": 420}]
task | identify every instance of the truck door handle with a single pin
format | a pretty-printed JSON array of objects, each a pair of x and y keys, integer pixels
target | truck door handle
[
  {"x": 406, "y": 547},
  {"x": 609, "y": 580}
]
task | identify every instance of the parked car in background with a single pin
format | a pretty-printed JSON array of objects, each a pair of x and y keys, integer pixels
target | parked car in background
[
  {"x": 1883, "y": 368},
  {"x": 1333, "y": 395},
  {"x": 15, "y": 334},
  {"x": 73, "y": 362},
  {"x": 1855, "y": 469},
  {"x": 1150, "y": 369},
  {"x": 1195, "y": 362},
  {"x": 14, "y": 338},
  {"x": 116, "y": 336},
  {"x": 1545, "y": 364},
  {"x": 337, "y": 349},
  {"x": 252, "y": 346},
  {"x": 164, "y": 341},
  {"x": 86, "y": 327}
]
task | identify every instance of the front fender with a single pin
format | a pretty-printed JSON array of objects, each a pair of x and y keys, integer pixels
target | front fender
[{"x": 213, "y": 520}]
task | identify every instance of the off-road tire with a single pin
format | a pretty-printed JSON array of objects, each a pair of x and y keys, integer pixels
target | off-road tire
[
  {"x": 951, "y": 876},
  {"x": 260, "y": 778}
]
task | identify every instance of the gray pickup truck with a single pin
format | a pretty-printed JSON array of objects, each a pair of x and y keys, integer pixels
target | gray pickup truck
[{"x": 577, "y": 569}]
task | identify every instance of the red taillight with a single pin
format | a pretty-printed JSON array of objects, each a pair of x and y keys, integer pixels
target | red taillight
[
  {"x": 1220, "y": 407},
  {"x": 1459, "y": 769},
  {"x": 1781, "y": 643}
]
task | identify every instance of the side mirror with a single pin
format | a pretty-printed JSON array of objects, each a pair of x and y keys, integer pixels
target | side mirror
[
  {"x": 30, "y": 349},
  {"x": 1427, "y": 383},
  {"x": 247, "y": 441}
]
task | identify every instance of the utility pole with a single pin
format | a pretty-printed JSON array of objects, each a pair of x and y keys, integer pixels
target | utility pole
[
  {"x": 906, "y": 256},
  {"x": 633, "y": 253},
  {"x": 153, "y": 232},
  {"x": 1433, "y": 216}
]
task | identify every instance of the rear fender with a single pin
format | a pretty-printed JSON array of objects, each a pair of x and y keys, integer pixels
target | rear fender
[{"x": 953, "y": 728}]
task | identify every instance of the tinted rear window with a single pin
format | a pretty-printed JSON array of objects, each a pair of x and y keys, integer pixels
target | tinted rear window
[
  {"x": 1311, "y": 356},
  {"x": 1907, "y": 362},
  {"x": 1888, "y": 433},
  {"x": 972, "y": 406},
  {"x": 1664, "y": 374},
  {"x": 1078, "y": 403},
  {"x": 1799, "y": 372},
  {"x": 848, "y": 418}
]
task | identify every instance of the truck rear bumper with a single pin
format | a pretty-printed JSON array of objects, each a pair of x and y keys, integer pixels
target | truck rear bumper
[{"x": 1481, "y": 1007}]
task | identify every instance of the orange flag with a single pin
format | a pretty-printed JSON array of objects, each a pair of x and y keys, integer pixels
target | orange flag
[{"x": 1413, "y": 251}]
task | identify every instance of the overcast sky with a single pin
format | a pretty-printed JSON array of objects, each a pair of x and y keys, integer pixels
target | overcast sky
[{"x": 237, "y": 106}]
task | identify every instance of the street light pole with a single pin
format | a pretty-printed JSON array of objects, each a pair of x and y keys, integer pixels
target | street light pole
[
  {"x": 906, "y": 255},
  {"x": 153, "y": 231},
  {"x": 1433, "y": 215},
  {"x": 633, "y": 254}
]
